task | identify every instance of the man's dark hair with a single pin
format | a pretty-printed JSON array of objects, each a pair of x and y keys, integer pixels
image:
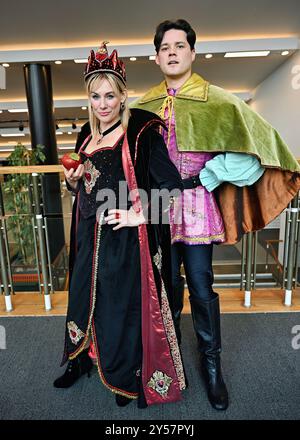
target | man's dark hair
[{"x": 179, "y": 24}]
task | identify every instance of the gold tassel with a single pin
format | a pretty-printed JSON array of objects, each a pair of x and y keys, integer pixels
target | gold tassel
[{"x": 167, "y": 104}]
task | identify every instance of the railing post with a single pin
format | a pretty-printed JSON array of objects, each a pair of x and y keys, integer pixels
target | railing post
[
  {"x": 243, "y": 260},
  {"x": 42, "y": 243},
  {"x": 285, "y": 245},
  {"x": 4, "y": 273},
  {"x": 4, "y": 259},
  {"x": 255, "y": 238},
  {"x": 249, "y": 252},
  {"x": 297, "y": 251},
  {"x": 297, "y": 244},
  {"x": 36, "y": 253},
  {"x": 294, "y": 209},
  {"x": 5, "y": 236},
  {"x": 48, "y": 253}
]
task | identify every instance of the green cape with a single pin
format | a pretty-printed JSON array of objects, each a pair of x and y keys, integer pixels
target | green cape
[{"x": 210, "y": 119}]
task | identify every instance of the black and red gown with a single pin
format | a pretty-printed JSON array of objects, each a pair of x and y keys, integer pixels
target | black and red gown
[{"x": 120, "y": 283}]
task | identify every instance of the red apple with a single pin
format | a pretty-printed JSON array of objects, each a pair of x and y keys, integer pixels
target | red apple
[{"x": 71, "y": 160}]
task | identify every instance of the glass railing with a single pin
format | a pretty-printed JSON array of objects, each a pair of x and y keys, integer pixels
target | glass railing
[
  {"x": 35, "y": 234},
  {"x": 35, "y": 230}
]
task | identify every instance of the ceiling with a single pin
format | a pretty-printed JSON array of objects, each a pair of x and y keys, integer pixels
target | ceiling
[
  {"x": 62, "y": 23},
  {"x": 47, "y": 31}
]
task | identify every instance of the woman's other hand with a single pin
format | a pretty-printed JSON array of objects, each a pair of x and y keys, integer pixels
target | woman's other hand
[{"x": 123, "y": 218}]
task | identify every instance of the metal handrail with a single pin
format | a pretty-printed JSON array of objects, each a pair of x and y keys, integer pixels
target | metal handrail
[{"x": 28, "y": 169}]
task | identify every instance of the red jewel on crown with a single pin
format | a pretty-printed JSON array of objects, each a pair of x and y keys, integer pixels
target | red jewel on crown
[{"x": 102, "y": 62}]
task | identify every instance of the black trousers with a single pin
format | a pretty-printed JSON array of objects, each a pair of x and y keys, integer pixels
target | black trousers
[{"x": 197, "y": 262}]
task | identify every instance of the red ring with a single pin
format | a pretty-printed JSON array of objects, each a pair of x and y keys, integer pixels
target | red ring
[{"x": 117, "y": 215}]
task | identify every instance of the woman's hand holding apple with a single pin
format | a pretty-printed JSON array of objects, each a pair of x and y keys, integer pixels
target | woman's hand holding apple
[{"x": 73, "y": 169}]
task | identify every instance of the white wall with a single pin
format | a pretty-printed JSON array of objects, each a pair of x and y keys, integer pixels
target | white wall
[{"x": 277, "y": 99}]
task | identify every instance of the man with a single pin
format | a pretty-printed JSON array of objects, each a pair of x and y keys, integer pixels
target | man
[{"x": 212, "y": 138}]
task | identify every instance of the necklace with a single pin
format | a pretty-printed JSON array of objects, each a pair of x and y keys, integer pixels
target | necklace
[{"x": 109, "y": 130}]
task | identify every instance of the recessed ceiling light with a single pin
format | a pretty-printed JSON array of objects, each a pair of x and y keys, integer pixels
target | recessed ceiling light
[
  {"x": 152, "y": 57},
  {"x": 208, "y": 55},
  {"x": 58, "y": 62},
  {"x": 132, "y": 58},
  {"x": 59, "y": 132},
  {"x": 81, "y": 60},
  {"x": 17, "y": 110},
  {"x": 5, "y": 64},
  {"x": 257, "y": 53},
  {"x": 69, "y": 132},
  {"x": 1, "y": 111},
  {"x": 285, "y": 52},
  {"x": 83, "y": 108},
  {"x": 12, "y": 134}
]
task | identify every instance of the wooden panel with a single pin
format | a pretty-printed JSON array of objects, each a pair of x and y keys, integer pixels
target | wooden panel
[
  {"x": 231, "y": 301},
  {"x": 262, "y": 301}
]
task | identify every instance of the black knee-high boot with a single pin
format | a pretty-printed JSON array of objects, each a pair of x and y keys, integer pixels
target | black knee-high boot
[
  {"x": 206, "y": 319},
  {"x": 76, "y": 368},
  {"x": 178, "y": 306}
]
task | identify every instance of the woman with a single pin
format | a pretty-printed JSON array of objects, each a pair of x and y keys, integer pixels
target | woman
[{"x": 119, "y": 264}]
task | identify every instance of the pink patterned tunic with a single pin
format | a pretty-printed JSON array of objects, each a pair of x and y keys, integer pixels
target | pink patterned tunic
[{"x": 195, "y": 217}]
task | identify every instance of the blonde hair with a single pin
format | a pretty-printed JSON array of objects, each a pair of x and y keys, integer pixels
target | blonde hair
[{"x": 92, "y": 83}]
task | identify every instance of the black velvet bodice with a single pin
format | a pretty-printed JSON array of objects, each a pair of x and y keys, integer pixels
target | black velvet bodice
[{"x": 103, "y": 172}]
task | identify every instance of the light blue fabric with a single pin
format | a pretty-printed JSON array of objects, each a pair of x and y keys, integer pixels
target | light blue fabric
[{"x": 237, "y": 168}]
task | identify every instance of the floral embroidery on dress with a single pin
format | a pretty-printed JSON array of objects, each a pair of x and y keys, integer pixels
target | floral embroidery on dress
[
  {"x": 91, "y": 175},
  {"x": 169, "y": 325},
  {"x": 172, "y": 339},
  {"x": 74, "y": 332},
  {"x": 160, "y": 382},
  {"x": 158, "y": 259}
]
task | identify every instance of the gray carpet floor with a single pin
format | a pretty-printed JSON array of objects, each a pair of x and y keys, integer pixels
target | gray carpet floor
[{"x": 260, "y": 366}]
